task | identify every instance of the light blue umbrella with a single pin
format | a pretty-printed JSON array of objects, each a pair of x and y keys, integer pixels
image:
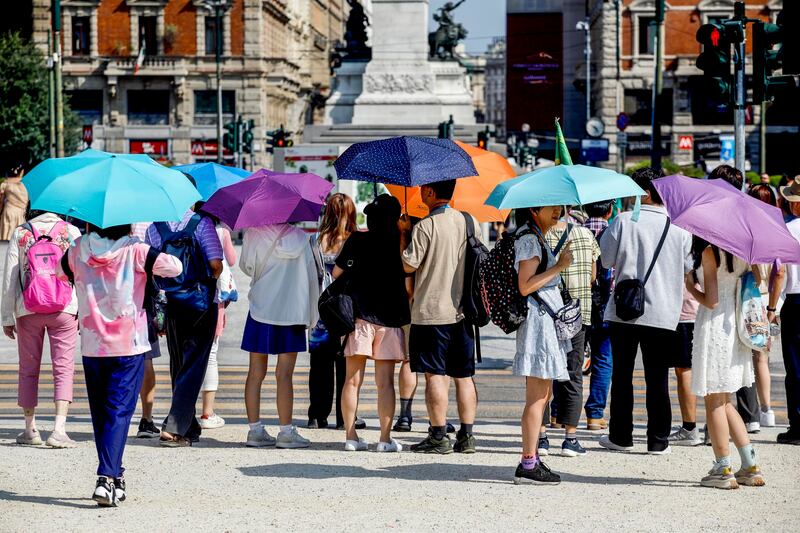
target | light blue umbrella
[
  {"x": 108, "y": 189},
  {"x": 563, "y": 185},
  {"x": 211, "y": 176}
]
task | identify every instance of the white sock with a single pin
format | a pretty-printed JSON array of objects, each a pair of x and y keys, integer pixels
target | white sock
[
  {"x": 255, "y": 425},
  {"x": 286, "y": 429},
  {"x": 60, "y": 425},
  {"x": 30, "y": 423}
]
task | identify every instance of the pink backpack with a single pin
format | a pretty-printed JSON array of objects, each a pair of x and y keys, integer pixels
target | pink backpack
[{"x": 43, "y": 291}]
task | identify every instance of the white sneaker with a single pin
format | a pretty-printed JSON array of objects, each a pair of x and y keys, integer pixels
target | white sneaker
[
  {"x": 392, "y": 446},
  {"x": 753, "y": 427},
  {"x": 212, "y": 422},
  {"x": 665, "y": 451},
  {"x": 259, "y": 438},
  {"x": 683, "y": 437},
  {"x": 359, "y": 445},
  {"x": 606, "y": 443},
  {"x": 292, "y": 440},
  {"x": 767, "y": 418}
]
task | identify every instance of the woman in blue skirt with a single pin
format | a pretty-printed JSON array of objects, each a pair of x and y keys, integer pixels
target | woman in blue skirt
[{"x": 283, "y": 304}]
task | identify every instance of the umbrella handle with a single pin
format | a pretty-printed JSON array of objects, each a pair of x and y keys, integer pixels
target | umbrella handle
[
  {"x": 374, "y": 189},
  {"x": 405, "y": 202}
]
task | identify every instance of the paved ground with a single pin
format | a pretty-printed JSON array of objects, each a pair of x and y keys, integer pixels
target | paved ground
[{"x": 222, "y": 486}]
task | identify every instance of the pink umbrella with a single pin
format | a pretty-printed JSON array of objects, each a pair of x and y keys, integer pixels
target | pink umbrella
[
  {"x": 269, "y": 197},
  {"x": 716, "y": 211}
]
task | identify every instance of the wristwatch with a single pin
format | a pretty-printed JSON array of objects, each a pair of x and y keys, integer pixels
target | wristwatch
[{"x": 771, "y": 309}]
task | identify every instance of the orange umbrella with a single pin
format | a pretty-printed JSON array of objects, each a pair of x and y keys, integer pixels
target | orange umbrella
[{"x": 471, "y": 192}]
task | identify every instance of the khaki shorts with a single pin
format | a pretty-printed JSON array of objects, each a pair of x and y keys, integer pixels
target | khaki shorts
[{"x": 376, "y": 342}]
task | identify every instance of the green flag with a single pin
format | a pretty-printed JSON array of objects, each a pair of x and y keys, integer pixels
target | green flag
[{"x": 562, "y": 152}]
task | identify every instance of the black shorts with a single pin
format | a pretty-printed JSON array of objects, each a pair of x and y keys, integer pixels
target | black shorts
[
  {"x": 682, "y": 355},
  {"x": 447, "y": 350}
]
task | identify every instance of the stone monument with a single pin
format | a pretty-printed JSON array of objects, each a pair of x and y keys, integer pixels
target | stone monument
[{"x": 400, "y": 85}]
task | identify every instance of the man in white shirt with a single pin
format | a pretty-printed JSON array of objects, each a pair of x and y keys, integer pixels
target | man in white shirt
[{"x": 790, "y": 320}]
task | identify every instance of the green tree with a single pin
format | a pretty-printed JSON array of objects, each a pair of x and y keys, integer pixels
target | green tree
[{"x": 24, "y": 110}]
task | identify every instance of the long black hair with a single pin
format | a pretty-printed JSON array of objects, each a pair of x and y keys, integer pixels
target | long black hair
[
  {"x": 382, "y": 216},
  {"x": 698, "y": 247}
]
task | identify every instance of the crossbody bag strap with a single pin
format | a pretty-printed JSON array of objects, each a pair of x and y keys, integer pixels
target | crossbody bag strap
[
  {"x": 657, "y": 252},
  {"x": 544, "y": 305},
  {"x": 562, "y": 240}
]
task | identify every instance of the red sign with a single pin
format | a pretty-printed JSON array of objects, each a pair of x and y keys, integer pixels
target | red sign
[
  {"x": 88, "y": 134},
  {"x": 201, "y": 147},
  {"x": 686, "y": 142},
  {"x": 154, "y": 148}
]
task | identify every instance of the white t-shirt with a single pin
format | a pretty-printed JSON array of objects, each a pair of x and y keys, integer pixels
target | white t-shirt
[{"x": 793, "y": 271}]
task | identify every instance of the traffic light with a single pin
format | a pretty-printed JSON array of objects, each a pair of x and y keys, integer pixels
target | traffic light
[
  {"x": 766, "y": 59},
  {"x": 789, "y": 20},
  {"x": 278, "y": 139},
  {"x": 247, "y": 137},
  {"x": 483, "y": 139},
  {"x": 230, "y": 139},
  {"x": 715, "y": 62}
]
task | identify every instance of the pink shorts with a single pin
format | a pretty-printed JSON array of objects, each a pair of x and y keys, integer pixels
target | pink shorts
[{"x": 376, "y": 342}]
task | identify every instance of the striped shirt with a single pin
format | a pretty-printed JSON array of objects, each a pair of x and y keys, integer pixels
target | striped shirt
[
  {"x": 578, "y": 277},
  {"x": 206, "y": 235}
]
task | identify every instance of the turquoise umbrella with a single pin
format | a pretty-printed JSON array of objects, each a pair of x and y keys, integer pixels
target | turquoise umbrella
[
  {"x": 108, "y": 189},
  {"x": 563, "y": 185},
  {"x": 211, "y": 177}
]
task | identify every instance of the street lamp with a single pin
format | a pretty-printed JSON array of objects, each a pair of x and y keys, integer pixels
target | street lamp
[
  {"x": 585, "y": 26},
  {"x": 217, "y": 8}
]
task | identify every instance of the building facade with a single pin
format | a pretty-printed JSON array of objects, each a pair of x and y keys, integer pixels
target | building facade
[
  {"x": 692, "y": 126},
  {"x": 495, "y": 88},
  {"x": 275, "y": 70}
]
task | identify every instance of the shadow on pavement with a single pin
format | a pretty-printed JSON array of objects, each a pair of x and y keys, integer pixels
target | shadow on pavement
[
  {"x": 439, "y": 472},
  {"x": 85, "y": 503}
]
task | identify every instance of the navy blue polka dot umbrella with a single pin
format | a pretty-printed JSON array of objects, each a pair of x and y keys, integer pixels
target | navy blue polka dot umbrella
[{"x": 408, "y": 161}]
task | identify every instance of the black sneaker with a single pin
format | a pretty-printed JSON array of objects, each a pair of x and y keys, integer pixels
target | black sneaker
[
  {"x": 539, "y": 475},
  {"x": 361, "y": 423},
  {"x": 119, "y": 488},
  {"x": 465, "y": 443},
  {"x": 147, "y": 430},
  {"x": 789, "y": 437},
  {"x": 104, "y": 492},
  {"x": 450, "y": 428},
  {"x": 431, "y": 445},
  {"x": 403, "y": 424},
  {"x": 317, "y": 424}
]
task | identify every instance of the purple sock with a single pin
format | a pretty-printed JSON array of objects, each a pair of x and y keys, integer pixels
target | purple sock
[{"x": 529, "y": 462}]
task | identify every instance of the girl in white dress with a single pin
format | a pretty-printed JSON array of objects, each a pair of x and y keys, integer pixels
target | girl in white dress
[{"x": 721, "y": 365}]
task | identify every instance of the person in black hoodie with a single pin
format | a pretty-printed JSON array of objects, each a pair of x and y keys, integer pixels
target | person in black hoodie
[{"x": 378, "y": 287}]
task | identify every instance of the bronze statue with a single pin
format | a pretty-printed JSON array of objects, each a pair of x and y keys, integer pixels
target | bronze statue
[
  {"x": 355, "y": 35},
  {"x": 444, "y": 40}
]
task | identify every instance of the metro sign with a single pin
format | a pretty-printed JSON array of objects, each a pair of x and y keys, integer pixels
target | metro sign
[{"x": 686, "y": 142}]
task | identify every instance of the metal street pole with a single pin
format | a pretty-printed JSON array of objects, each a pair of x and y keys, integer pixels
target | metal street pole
[
  {"x": 738, "y": 116},
  {"x": 658, "y": 85},
  {"x": 762, "y": 137},
  {"x": 588, "y": 56},
  {"x": 58, "y": 87},
  {"x": 51, "y": 97},
  {"x": 218, "y": 24}
]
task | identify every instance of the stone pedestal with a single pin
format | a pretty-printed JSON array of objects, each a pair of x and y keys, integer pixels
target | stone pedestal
[{"x": 400, "y": 85}]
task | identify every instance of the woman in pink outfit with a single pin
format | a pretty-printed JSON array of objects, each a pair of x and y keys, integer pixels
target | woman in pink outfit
[
  {"x": 29, "y": 327},
  {"x": 110, "y": 271}
]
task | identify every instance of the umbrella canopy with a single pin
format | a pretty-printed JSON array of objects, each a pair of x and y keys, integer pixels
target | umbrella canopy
[
  {"x": 471, "y": 192},
  {"x": 563, "y": 185},
  {"x": 269, "y": 197},
  {"x": 108, "y": 189},
  {"x": 212, "y": 176},
  {"x": 721, "y": 214},
  {"x": 405, "y": 161}
]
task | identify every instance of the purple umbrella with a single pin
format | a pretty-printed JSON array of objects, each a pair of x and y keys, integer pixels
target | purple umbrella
[
  {"x": 716, "y": 211},
  {"x": 269, "y": 197}
]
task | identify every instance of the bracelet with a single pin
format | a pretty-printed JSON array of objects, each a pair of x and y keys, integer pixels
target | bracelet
[{"x": 771, "y": 309}]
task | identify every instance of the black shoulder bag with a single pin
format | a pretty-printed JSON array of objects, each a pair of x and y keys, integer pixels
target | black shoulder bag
[{"x": 629, "y": 293}]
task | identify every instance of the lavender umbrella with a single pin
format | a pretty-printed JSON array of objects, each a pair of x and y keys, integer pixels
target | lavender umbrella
[
  {"x": 269, "y": 198},
  {"x": 716, "y": 211}
]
